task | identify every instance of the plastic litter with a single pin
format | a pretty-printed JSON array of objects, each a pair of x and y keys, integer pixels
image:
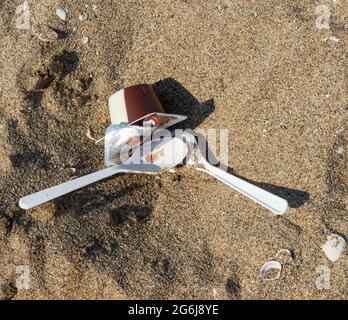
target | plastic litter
[
  {"x": 138, "y": 105},
  {"x": 120, "y": 140},
  {"x": 153, "y": 157},
  {"x": 137, "y": 114},
  {"x": 275, "y": 204}
]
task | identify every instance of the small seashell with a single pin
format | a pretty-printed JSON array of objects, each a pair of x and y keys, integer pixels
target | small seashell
[
  {"x": 62, "y": 13},
  {"x": 84, "y": 40},
  {"x": 270, "y": 265},
  {"x": 44, "y": 33},
  {"x": 284, "y": 256},
  {"x": 334, "y": 247}
]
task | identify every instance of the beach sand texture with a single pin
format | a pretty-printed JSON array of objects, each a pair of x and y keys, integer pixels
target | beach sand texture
[{"x": 264, "y": 70}]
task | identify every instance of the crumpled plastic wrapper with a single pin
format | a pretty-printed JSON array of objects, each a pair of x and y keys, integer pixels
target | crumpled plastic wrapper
[{"x": 121, "y": 140}]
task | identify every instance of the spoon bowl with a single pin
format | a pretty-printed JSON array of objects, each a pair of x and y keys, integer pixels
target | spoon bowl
[{"x": 157, "y": 156}]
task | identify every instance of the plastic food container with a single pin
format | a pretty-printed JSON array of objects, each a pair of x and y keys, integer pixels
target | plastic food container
[{"x": 139, "y": 105}]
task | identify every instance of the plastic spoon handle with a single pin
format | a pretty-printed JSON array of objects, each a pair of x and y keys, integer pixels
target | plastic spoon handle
[
  {"x": 266, "y": 199},
  {"x": 46, "y": 195}
]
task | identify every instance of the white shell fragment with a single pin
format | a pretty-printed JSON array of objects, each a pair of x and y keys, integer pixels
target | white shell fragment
[
  {"x": 84, "y": 40},
  {"x": 44, "y": 33},
  {"x": 89, "y": 135},
  {"x": 82, "y": 17},
  {"x": 340, "y": 150},
  {"x": 334, "y": 247},
  {"x": 270, "y": 265},
  {"x": 62, "y": 13},
  {"x": 333, "y": 38},
  {"x": 284, "y": 256}
]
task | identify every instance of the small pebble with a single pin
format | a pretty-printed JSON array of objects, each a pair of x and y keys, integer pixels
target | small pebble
[
  {"x": 82, "y": 17},
  {"x": 85, "y": 40},
  {"x": 220, "y": 7},
  {"x": 338, "y": 131},
  {"x": 62, "y": 13},
  {"x": 340, "y": 150}
]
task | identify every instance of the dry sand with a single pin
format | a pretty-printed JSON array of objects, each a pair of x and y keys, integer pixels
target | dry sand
[{"x": 258, "y": 68}]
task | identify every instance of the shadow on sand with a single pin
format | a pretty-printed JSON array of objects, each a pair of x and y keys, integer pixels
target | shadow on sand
[{"x": 176, "y": 99}]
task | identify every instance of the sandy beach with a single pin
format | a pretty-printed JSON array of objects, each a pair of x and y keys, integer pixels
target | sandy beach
[{"x": 274, "y": 73}]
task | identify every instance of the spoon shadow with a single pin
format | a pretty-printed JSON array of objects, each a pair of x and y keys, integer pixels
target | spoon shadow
[{"x": 294, "y": 197}]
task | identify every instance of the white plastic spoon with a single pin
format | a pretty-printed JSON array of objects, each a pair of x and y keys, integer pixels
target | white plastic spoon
[
  {"x": 275, "y": 204},
  {"x": 153, "y": 157}
]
